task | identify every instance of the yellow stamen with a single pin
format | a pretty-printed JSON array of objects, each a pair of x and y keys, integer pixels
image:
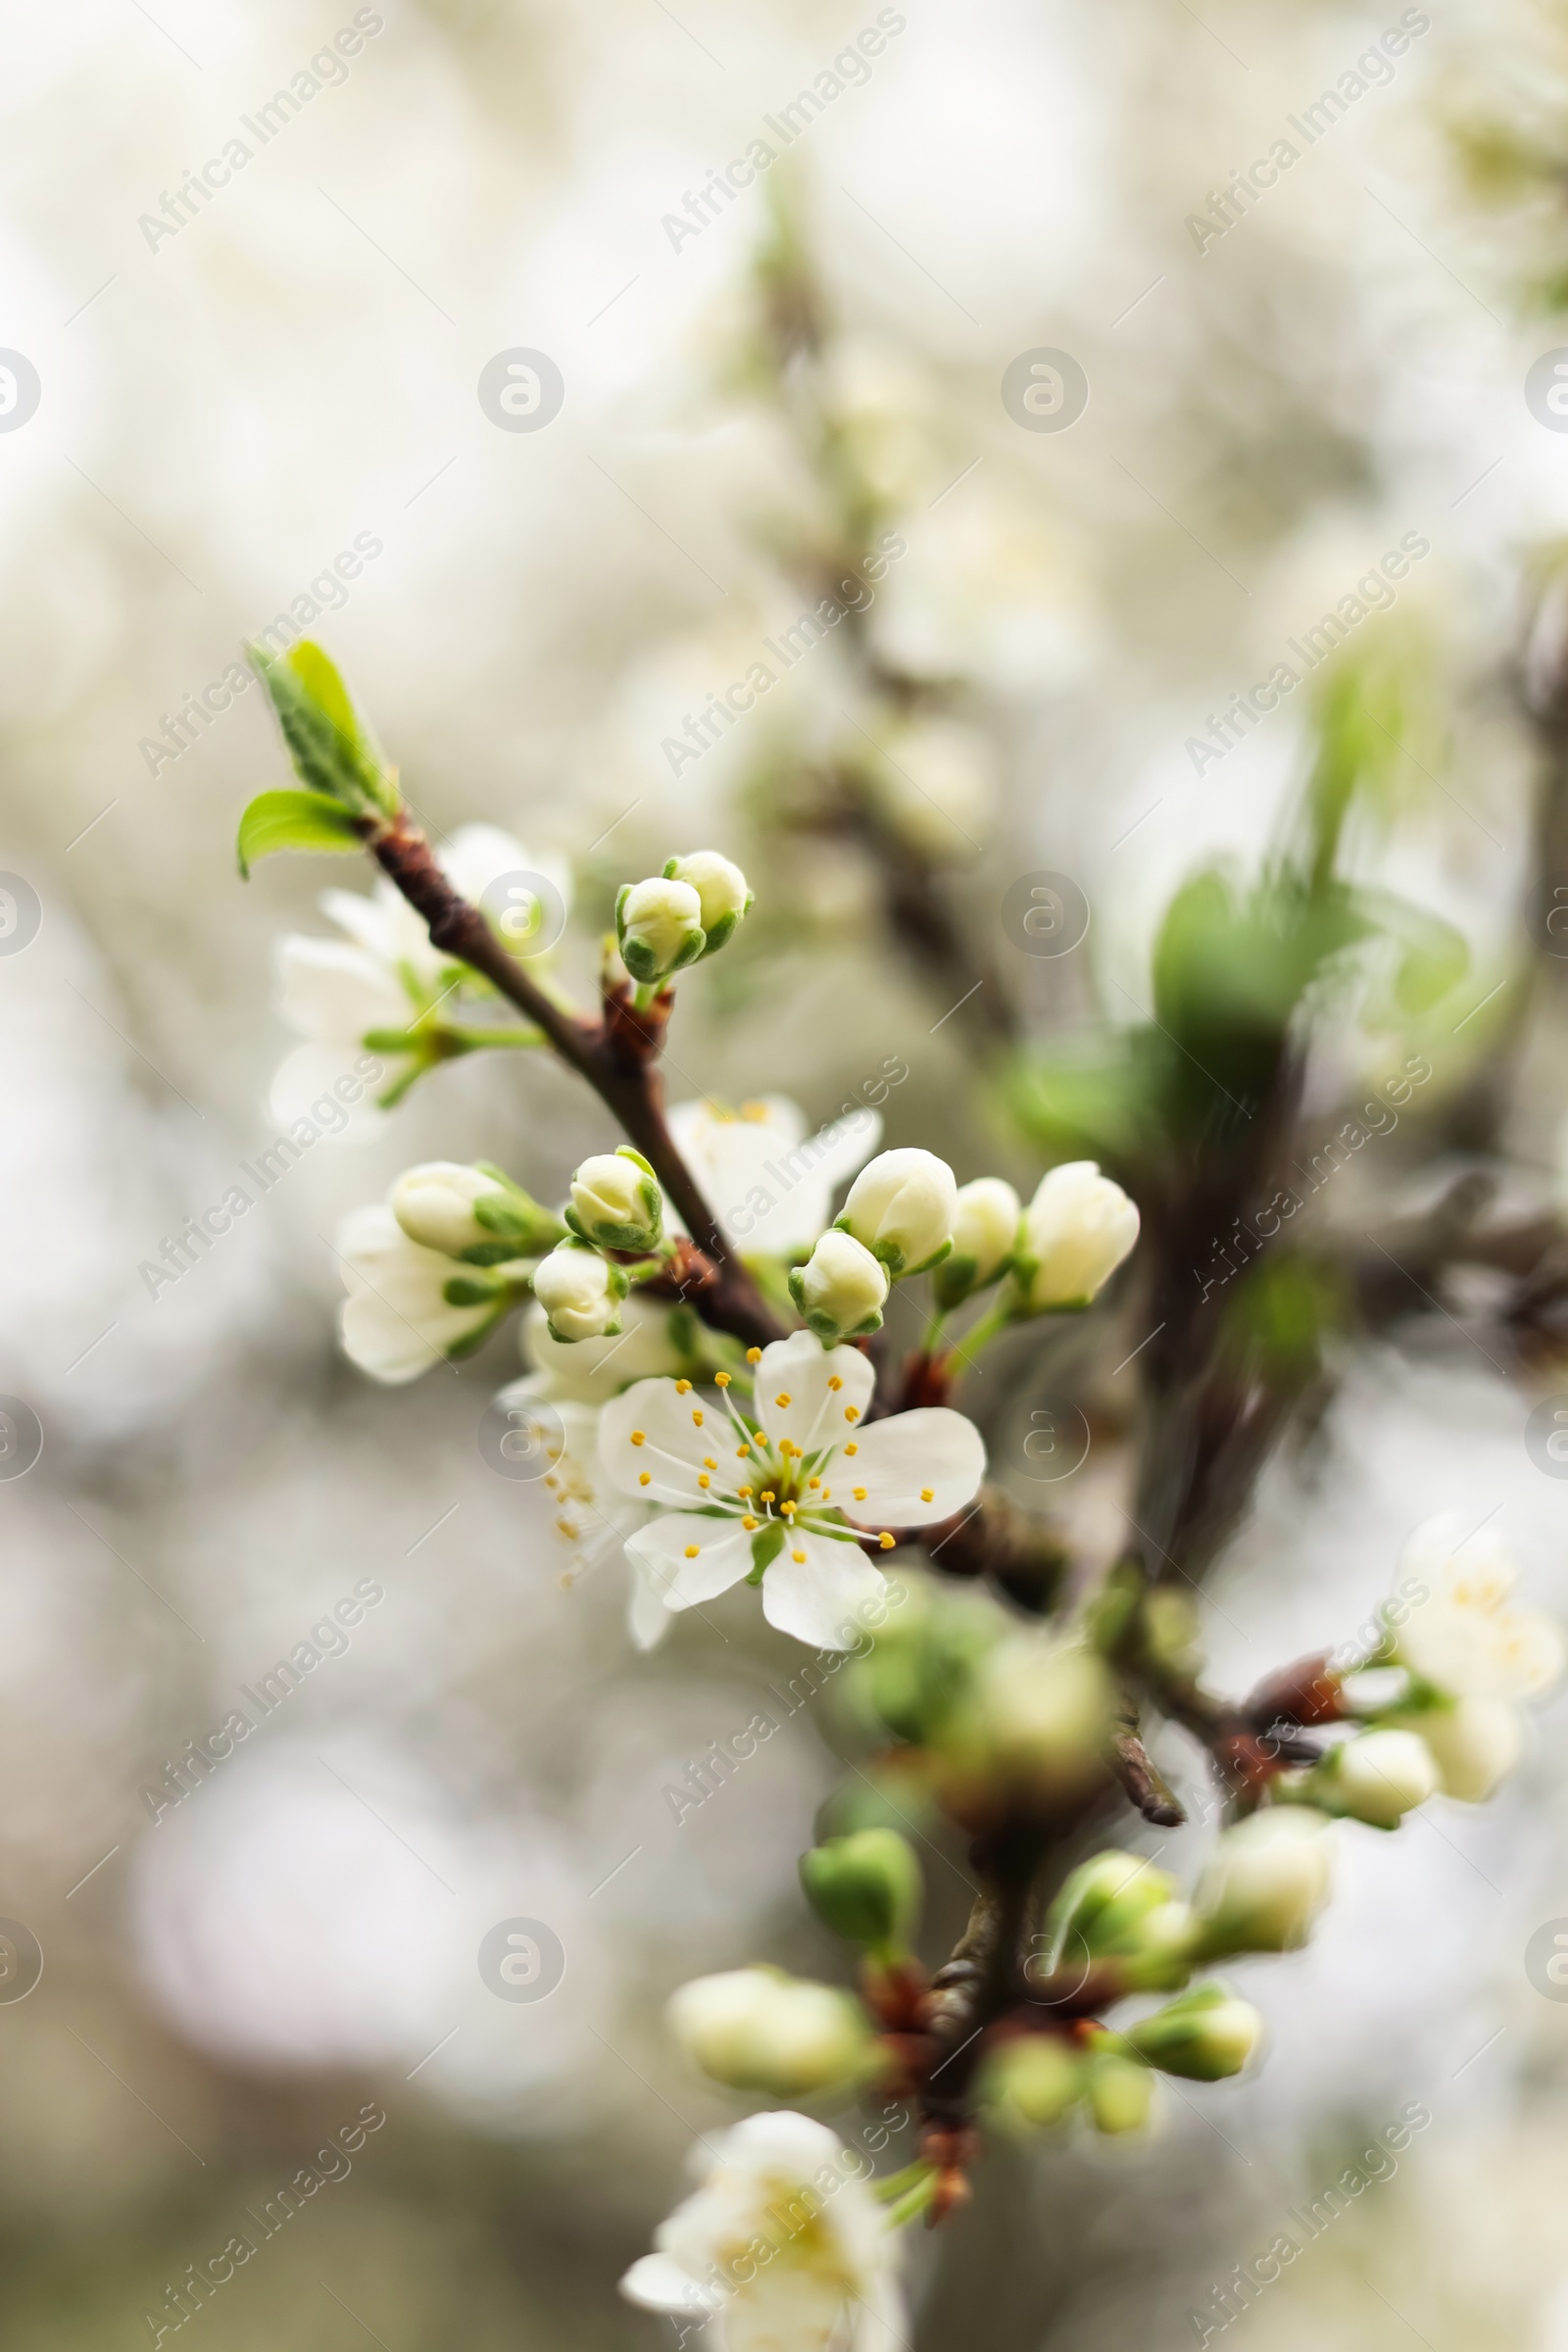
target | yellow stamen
[
  {"x": 683, "y": 1388},
  {"x": 721, "y": 1380},
  {"x": 741, "y": 1453},
  {"x": 783, "y": 1397},
  {"x": 859, "y": 1493},
  {"x": 852, "y": 1413},
  {"x": 745, "y": 1494},
  {"x": 789, "y": 1509},
  {"x": 813, "y": 1482},
  {"x": 834, "y": 1382},
  {"x": 750, "y": 1525},
  {"x": 639, "y": 1437},
  {"x": 692, "y": 1551},
  {"x": 851, "y": 1450},
  {"x": 708, "y": 1463},
  {"x": 886, "y": 1540},
  {"x": 697, "y": 1419},
  {"x": 768, "y": 1494},
  {"x": 645, "y": 1478},
  {"x": 928, "y": 1495},
  {"x": 797, "y": 1555},
  {"x": 827, "y": 1494},
  {"x": 754, "y": 1355},
  {"x": 705, "y": 1480}
]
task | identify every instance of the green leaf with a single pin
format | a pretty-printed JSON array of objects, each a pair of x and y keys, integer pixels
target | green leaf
[
  {"x": 295, "y": 820},
  {"x": 332, "y": 748}
]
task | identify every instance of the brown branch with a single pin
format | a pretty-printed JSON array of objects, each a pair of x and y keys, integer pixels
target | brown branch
[{"x": 615, "y": 1057}]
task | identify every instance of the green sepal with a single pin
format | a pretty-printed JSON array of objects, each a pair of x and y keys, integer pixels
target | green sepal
[
  {"x": 332, "y": 748},
  {"x": 955, "y": 1279},
  {"x": 295, "y": 820},
  {"x": 467, "y": 1291},
  {"x": 766, "y": 1545}
]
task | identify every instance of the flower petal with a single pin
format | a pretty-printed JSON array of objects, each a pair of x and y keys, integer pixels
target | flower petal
[
  {"x": 690, "y": 1558},
  {"x": 647, "y": 1618},
  {"x": 652, "y": 1432},
  {"x": 911, "y": 1469},
  {"x": 827, "y": 1389},
  {"x": 326, "y": 988},
  {"x": 659, "y": 2284},
  {"x": 823, "y": 1598}
]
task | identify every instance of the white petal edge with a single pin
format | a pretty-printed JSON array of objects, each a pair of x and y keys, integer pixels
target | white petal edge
[
  {"x": 668, "y": 1425},
  {"x": 723, "y": 1556},
  {"x": 824, "y": 1600},
  {"x": 932, "y": 1452},
  {"x": 659, "y": 2284}
]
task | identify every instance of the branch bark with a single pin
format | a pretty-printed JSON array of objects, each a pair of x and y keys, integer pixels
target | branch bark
[{"x": 615, "y": 1057}]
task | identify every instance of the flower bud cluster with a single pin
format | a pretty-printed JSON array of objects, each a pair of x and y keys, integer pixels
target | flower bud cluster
[{"x": 678, "y": 917}]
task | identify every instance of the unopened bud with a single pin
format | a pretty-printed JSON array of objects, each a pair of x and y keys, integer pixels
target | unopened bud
[
  {"x": 1033, "y": 2082},
  {"x": 1267, "y": 1882},
  {"x": 580, "y": 1293},
  {"x": 1205, "y": 2036},
  {"x": 1121, "y": 2091},
  {"x": 616, "y": 1202},
  {"x": 759, "y": 2030},
  {"x": 1376, "y": 1777},
  {"x": 866, "y": 1888},
  {"x": 723, "y": 893},
  {"x": 1076, "y": 1231},
  {"x": 434, "y": 1204},
  {"x": 658, "y": 927},
  {"x": 902, "y": 1207},
  {"x": 840, "y": 1290},
  {"x": 985, "y": 1229}
]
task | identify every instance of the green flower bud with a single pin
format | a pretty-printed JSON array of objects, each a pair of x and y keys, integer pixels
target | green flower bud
[
  {"x": 985, "y": 1228},
  {"x": 658, "y": 927},
  {"x": 866, "y": 1888},
  {"x": 616, "y": 1202},
  {"x": 1377, "y": 1778},
  {"x": 1120, "y": 2092},
  {"x": 840, "y": 1290},
  {"x": 1103, "y": 1902},
  {"x": 723, "y": 893},
  {"x": 1033, "y": 2082},
  {"x": 1205, "y": 2036}
]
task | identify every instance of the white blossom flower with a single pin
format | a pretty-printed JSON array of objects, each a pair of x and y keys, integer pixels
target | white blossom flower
[
  {"x": 902, "y": 1207},
  {"x": 783, "y": 2242},
  {"x": 1076, "y": 1231},
  {"x": 788, "y": 1495},
  {"x": 385, "y": 973},
  {"x": 840, "y": 1289},
  {"x": 581, "y": 1291},
  {"x": 434, "y": 1204},
  {"x": 1460, "y": 1634},
  {"x": 397, "y": 1321},
  {"x": 659, "y": 924},
  {"x": 769, "y": 1183}
]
